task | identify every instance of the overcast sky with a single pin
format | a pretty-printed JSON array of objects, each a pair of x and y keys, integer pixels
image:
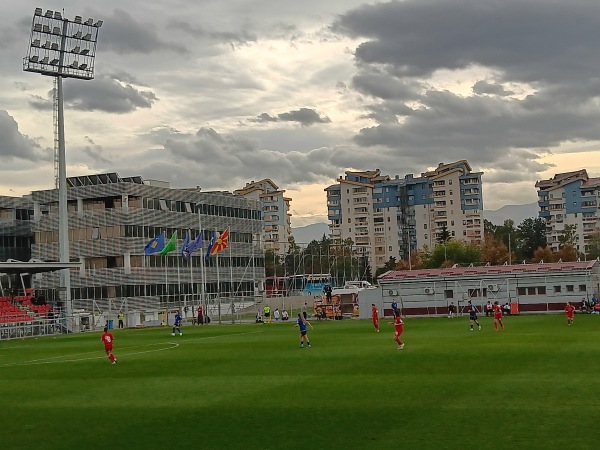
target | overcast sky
[{"x": 216, "y": 93}]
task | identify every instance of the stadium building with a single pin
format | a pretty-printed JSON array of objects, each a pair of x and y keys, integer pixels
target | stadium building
[
  {"x": 111, "y": 219},
  {"x": 528, "y": 287}
]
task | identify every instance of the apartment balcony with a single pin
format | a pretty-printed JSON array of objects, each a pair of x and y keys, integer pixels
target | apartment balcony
[
  {"x": 588, "y": 204},
  {"x": 362, "y": 240},
  {"x": 333, "y": 203}
]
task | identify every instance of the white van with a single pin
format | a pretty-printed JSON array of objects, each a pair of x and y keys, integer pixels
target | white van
[{"x": 359, "y": 284}]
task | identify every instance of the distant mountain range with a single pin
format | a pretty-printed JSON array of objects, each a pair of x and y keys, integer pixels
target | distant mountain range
[
  {"x": 518, "y": 213},
  {"x": 314, "y": 232}
]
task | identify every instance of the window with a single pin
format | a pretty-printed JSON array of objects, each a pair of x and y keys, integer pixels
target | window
[
  {"x": 557, "y": 289},
  {"x": 541, "y": 290},
  {"x": 582, "y": 288},
  {"x": 521, "y": 290},
  {"x": 424, "y": 226},
  {"x": 390, "y": 248},
  {"x": 531, "y": 291},
  {"x": 448, "y": 293},
  {"x": 569, "y": 288}
]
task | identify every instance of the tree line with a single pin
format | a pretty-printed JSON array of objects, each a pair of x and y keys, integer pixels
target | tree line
[{"x": 503, "y": 244}]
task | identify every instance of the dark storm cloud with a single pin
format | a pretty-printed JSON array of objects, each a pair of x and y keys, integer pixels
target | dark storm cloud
[
  {"x": 533, "y": 40},
  {"x": 210, "y": 158},
  {"x": 123, "y": 34},
  {"x": 102, "y": 94},
  {"x": 518, "y": 42},
  {"x": 484, "y": 87},
  {"x": 15, "y": 145},
  {"x": 304, "y": 116}
]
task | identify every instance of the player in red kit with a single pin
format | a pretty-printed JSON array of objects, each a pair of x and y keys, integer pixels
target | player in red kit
[
  {"x": 498, "y": 316},
  {"x": 375, "y": 314},
  {"x": 108, "y": 340},
  {"x": 399, "y": 325},
  {"x": 570, "y": 310}
]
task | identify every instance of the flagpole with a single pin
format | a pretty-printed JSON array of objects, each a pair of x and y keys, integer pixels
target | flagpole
[
  {"x": 231, "y": 278},
  {"x": 166, "y": 285},
  {"x": 179, "y": 286},
  {"x": 218, "y": 290},
  {"x": 191, "y": 278},
  {"x": 202, "y": 272}
]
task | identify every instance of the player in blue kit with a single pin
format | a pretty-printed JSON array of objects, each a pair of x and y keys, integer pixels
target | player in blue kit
[
  {"x": 473, "y": 316},
  {"x": 302, "y": 323},
  {"x": 177, "y": 324}
]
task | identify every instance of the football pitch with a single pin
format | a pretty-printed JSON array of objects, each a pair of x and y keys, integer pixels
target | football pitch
[{"x": 250, "y": 386}]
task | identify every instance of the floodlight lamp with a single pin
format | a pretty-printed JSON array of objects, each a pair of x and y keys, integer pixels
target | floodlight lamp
[
  {"x": 38, "y": 12},
  {"x": 98, "y": 24},
  {"x": 77, "y": 19},
  {"x": 87, "y": 37},
  {"x": 57, "y": 15},
  {"x": 90, "y": 21},
  {"x": 49, "y": 13}
]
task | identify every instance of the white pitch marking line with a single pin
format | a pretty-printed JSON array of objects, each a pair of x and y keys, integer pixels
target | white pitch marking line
[{"x": 53, "y": 360}]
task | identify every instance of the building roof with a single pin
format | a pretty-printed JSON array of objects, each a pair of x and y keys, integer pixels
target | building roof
[
  {"x": 560, "y": 179},
  {"x": 16, "y": 267},
  {"x": 487, "y": 270}
]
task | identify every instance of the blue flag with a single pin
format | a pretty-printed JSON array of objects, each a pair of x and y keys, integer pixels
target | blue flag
[
  {"x": 211, "y": 244},
  {"x": 185, "y": 248},
  {"x": 155, "y": 245},
  {"x": 196, "y": 243}
]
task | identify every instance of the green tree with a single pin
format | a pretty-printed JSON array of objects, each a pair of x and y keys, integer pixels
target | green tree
[
  {"x": 444, "y": 235},
  {"x": 568, "y": 236},
  {"x": 450, "y": 253},
  {"x": 389, "y": 265},
  {"x": 593, "y": 247},
  {"x": 531, "y": 234}
]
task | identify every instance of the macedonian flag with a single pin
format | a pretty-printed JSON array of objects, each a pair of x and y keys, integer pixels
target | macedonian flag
[{"x": 221, "y": 243}]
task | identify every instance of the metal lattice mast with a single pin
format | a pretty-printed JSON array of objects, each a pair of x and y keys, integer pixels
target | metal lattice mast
[{"x": 56, "y": 133}]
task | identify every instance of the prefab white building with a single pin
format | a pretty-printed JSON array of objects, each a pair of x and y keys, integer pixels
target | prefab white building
[{"x": 527, "y": 287}]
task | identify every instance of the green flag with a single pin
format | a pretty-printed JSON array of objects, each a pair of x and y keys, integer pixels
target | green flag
[{"x": 171, "y": 245}]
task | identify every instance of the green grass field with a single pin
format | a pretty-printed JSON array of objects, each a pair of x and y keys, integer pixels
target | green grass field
[{"x": 250, "y": 387}]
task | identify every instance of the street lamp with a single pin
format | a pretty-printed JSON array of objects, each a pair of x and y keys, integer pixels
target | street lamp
[{"x": 62, "y": 48}]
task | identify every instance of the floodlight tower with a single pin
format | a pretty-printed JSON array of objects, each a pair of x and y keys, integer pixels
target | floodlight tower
[{"x": 62, "y": 48}]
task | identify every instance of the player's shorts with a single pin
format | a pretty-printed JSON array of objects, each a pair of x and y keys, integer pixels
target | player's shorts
[
  {"x": 497, "y": 317},
  {"x": 303, "y": 333},
  {"x": 472, "y": 316},
  {"x": 108, "y": 348},
  {"x": 267, "y": 314}
]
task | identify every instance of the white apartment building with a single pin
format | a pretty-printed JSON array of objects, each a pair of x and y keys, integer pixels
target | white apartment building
[
  {"x": 570, "y": 198},
  {"x": 387, "y": 217},
  {"x": 276, "y": 215}
]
